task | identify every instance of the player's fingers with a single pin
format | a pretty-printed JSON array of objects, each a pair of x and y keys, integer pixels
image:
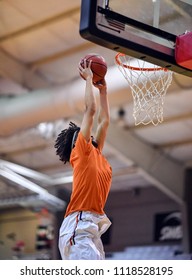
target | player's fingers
[
  {"x": 80, "y": 66},
  {"x": 85, "y": 63},
  {"x": 89, "y": 64}
]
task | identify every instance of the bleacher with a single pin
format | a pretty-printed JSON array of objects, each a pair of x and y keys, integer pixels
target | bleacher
[{"x": 165, "y": 252}]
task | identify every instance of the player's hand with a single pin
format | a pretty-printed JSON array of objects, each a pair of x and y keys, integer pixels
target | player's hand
[
  {"x": 101, "y": 85},
  {"x": 85, "y": 70}
]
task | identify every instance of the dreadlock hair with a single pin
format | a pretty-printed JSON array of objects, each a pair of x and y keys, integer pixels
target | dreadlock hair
[{"x": 63, "y": 142}]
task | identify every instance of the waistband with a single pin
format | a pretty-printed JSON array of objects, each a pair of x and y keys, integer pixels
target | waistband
[{"x": 71, "y": 221}]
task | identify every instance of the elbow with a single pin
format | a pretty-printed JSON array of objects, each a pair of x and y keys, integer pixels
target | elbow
[
  {"x": 91, "y": 110},
  {"x": 106, "y": 122}
]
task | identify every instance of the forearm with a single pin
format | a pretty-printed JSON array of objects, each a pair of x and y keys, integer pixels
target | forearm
[
  {"x": 103, "y": 119},
  {"x": 104, "y": 114},
  {"x": 90, "y": 102}
]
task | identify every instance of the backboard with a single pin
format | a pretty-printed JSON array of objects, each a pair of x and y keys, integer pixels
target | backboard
[{"x": 145, "y": 29}]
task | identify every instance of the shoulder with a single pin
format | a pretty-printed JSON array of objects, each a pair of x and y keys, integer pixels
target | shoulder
[
  {"x": 82, "y": 147},
  {"x": 81, "y": 139}
]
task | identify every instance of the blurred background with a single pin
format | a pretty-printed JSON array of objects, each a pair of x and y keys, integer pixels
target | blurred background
[{"x": 41, "y": 91}]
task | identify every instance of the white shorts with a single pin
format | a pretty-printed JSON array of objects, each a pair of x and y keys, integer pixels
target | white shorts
[{"x": 80, "y": 236}]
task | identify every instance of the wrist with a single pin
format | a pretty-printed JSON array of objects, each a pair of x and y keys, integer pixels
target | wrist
[
  {"x": 103, "y": 90},
  {"x": 88, "y": 78}
]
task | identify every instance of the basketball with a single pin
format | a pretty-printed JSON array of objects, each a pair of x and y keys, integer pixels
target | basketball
[{"x": 98, "y": 66}]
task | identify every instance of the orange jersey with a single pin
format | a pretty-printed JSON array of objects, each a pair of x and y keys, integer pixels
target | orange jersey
[{"x": 91, "y": 178}]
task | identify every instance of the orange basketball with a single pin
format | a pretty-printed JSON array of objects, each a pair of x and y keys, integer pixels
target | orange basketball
[{"x": 98, "y": 66}]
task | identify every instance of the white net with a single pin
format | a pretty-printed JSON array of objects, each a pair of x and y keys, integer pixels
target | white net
[{"x": 149, "y": 84}]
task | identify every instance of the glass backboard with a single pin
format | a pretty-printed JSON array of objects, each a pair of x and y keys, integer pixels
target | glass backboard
[{"x": 145, "y": 29}]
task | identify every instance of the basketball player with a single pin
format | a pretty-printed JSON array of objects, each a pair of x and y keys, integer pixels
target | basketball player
[{"x": 85, "y": 220}]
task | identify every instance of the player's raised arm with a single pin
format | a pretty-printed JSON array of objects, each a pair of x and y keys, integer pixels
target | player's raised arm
[
  {"x": 90, "y": 102},
  {"x": 104, "y": 114}
]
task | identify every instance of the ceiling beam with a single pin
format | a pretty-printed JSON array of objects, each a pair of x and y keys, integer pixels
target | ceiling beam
[
  {"x": 179, "y": 7},
  {"x": 48, "y": 59},
  {"x": 187, "y": 1},
  {"x": 24, "y": 171},
  {"x": 22, "y": 182},
  {"x": 48, "y": 167},
  {"x": 176, "y": 143},
  {"x": 30, "y": 149},
  {"x": 14, "y": 70},
  {"x": 166, "y": 174},
  {"x": 40, "y": 24}
]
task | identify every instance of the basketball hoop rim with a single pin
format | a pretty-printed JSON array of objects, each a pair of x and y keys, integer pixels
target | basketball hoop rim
[{"x": 136, "y": 68}]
